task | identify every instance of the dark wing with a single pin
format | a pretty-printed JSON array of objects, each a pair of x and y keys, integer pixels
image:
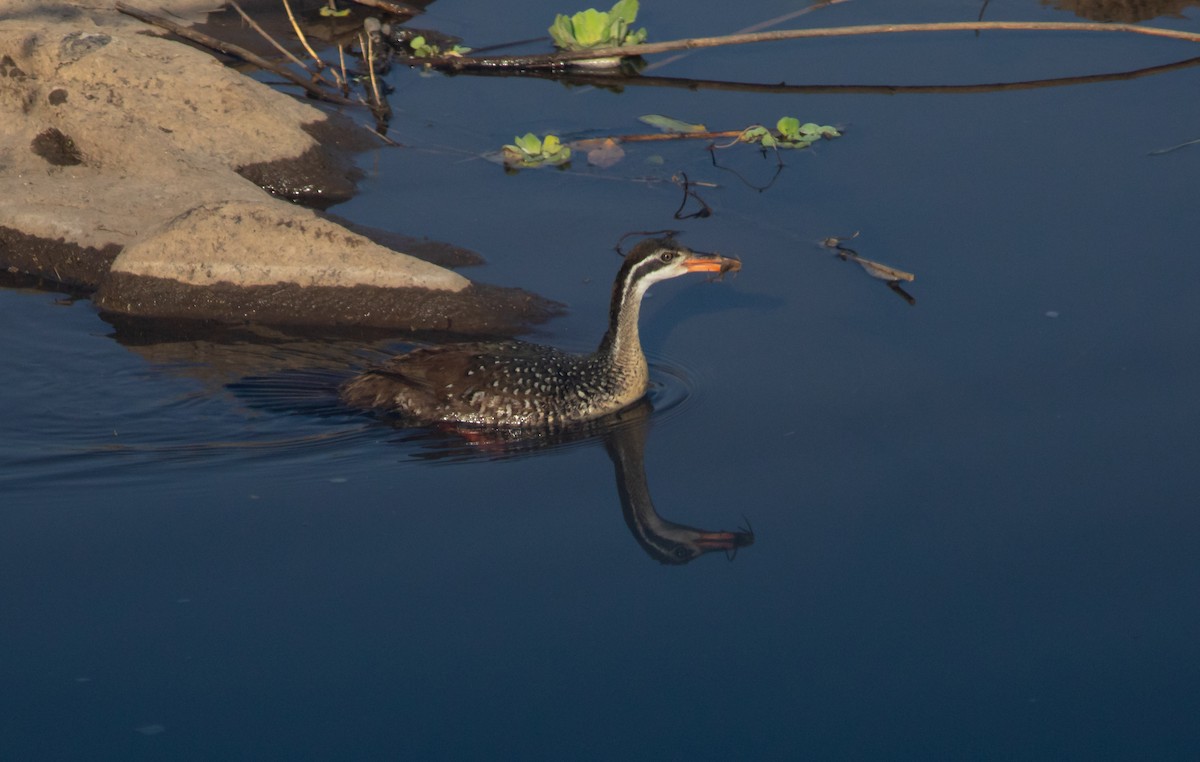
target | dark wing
[{"x": 428, "y": 378}]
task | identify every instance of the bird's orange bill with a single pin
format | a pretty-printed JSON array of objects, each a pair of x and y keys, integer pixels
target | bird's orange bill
[{"x": 711, "y": 263}]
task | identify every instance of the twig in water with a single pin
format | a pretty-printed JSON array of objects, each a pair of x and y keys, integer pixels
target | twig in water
[
  {"x": 621, "y": 240},
  {"x": 300, "y": 34},
  {"x": 1161, "y": 151},
  {"x": 889, "y": 275},
  {"x": 266, "y": 36},
  {"x": 379, "y": 107},
  {"x": 982, "y": 10},
  {"x": 561, "y": 58},
  {"x": 586, "y": 143},
  {"x": 342, "y": 60},
  {"x": 375, "y": 131},
  {"x": 704, "y": 211}
]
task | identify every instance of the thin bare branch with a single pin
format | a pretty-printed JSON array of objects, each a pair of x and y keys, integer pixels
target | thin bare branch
[
  {"x": 263, "y": 33},
  {"x": 300, "y": 35},
  {"x": 561, "y": 58}
]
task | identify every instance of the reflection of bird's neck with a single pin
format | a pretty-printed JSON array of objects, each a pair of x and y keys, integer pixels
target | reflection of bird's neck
[{"x": 665, "y": 541}]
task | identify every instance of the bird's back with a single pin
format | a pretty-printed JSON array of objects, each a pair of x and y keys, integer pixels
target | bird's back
[{"x": 509, "y": 383}]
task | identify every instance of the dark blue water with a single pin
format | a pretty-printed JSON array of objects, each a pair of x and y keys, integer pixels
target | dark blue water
[{"x": 975, "y": 518}]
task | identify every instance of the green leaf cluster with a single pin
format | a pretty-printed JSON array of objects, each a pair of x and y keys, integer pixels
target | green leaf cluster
[
  {"x": 592, "y": 29},
  {"x": 789, "y": 133},
  {"x": 529, "y": 150},
  {"x": 422, "y": 48}
]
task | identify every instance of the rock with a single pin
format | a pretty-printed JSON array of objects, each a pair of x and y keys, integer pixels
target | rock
[
  {"x": 119, "y": 147},
  {"x": 221, "y": 243}
]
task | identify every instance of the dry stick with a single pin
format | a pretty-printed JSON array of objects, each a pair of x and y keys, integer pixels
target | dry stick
[
  {"x": 303, "y": 40},
  {"x": 369, "y": 53},
  {"x": 263, "y": 33},
  {"x": 379, "y": 108},
  {"x": 656, "y": 136},
  {"x": 342, "y": 60},
  {"x": 230, "y": 49},
  {"x": 567, "y": 56}
]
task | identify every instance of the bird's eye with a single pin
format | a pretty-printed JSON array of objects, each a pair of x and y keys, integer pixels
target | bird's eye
[{"x": 667, "y": 256}]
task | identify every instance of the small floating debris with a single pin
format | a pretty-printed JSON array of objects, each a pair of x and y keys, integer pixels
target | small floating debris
[
  {"x": 150, "y": 730},
  {"x": 886, "y": 273}
]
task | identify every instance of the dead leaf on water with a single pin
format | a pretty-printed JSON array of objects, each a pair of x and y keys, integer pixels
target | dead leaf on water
[
  {"x": 881, "y": 271},
  {"x": 890, "y": 275},
  {"x": 606, "y": 153}
]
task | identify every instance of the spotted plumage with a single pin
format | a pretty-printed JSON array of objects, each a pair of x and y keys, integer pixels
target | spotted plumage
[{"x": 517, "y": 384}]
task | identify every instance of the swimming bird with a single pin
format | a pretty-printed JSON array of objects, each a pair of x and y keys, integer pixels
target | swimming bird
[{"x": 515, "y": 384}]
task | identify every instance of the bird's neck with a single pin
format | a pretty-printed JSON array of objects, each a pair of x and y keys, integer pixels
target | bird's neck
[{"x": 621, "y": 343}]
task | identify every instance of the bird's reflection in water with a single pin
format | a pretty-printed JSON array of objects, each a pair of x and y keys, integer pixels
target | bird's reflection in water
[
  {"x": 663, "y": 540},
  {"x": 624, "y": 437},
  {"x": 623, "y": 434}
]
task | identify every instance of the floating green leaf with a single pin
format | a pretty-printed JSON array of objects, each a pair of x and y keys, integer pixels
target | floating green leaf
[
  {"x": 789, "y": 128},
  {"x": 813, "y": 131},
  {"x": 597, "y": 29},
  {"x": 529, "y": 150},
  {"x": 667, "y": 124},
  {"x": 590, "y": 27},
  {"x": 422, "y": 48},
  {"x": 530, "y": 144},
  {"x": 790, "y": 133}
]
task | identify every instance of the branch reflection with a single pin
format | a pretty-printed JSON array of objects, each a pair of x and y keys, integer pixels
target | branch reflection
[{"x": 572, "y": 77}]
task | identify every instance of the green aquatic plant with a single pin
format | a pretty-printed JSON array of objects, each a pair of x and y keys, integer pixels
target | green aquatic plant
[
  {"x": 422, "y": 48},
  {"x": 529, "y": 150},
  {"x": 789, "y": 133},
  {"x": 591, "y": 29}
]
